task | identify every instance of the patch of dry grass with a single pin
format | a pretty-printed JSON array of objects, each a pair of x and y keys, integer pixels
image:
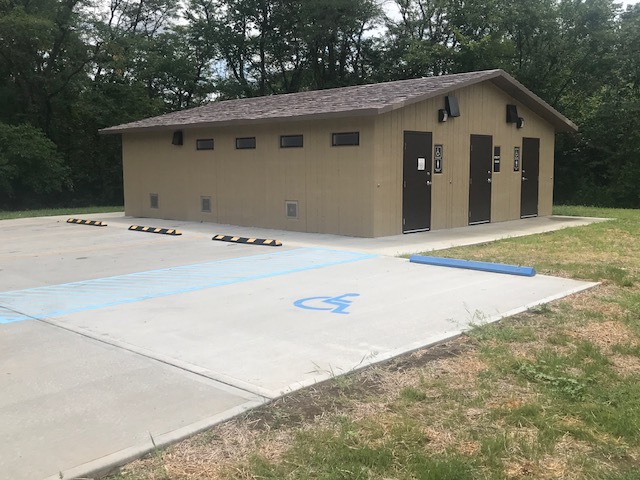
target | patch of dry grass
[{"x": 214, "y": 454}]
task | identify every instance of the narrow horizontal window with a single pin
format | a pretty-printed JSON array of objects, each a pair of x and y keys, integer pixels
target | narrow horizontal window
[
  {"x": 204, "y": 144},
  {"x": 291, "y": 141},
  {"x": 245, "y": 142},
  {"x": 347, "y": 138}
]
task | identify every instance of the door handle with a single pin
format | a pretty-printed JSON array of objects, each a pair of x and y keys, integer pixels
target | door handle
[
  {"x": 524, "y": 179},
  {"x": 428, "y": 183},
  {"x": 488, "y": 180}
]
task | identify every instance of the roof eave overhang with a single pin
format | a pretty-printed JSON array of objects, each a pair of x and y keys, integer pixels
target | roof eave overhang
[
  {"x": 368, "y": 112},
  {"x": 512, "y": 87},
  {"x": 515, "y": 89}
]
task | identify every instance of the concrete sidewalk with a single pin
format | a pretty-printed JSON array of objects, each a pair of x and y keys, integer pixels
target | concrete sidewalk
[
  {"x": 394, "y": 245},
  {"x": 112, "y": 341}
]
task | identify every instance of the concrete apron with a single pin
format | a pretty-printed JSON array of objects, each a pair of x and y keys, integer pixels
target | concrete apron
[
  {"x": 92, "y": 371},
  {"x": 273, "y": 335}
]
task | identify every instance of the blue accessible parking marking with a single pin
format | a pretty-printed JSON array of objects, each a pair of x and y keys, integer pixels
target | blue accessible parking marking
[
  {"x": 337, "y": 304},
  {"x": 86, "y": 295},
  {"x": 9, "y": 316}
]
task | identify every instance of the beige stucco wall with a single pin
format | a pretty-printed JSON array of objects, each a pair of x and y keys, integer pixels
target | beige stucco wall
[
  {"x": 483, "y": 112},
  {"x": 249, "y": 187}
]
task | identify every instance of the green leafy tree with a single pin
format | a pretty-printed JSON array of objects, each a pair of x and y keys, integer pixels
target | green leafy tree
[
  {"x": 334, "y": 33},
  {"x": 30, "y": 165},
  {"x": 606, "y": 152},
  {"x": 273, "y": 46},
  {"x": 42, "y": 56}
]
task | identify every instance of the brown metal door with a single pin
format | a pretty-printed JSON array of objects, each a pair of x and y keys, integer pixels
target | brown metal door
[
  {"x": 530, "y": 177},
  {"x": 480, "y": 179},
  {"x": 416, "y": 192}
]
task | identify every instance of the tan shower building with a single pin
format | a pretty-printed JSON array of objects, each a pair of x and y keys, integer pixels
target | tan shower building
[{"x": 369, "y": 160}]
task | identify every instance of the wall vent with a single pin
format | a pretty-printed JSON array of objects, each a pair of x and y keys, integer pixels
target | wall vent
[
  {"x": 205, "y": 204},
  {"x": 291, "y": 209},
  {"x": 153, "y": 200}
]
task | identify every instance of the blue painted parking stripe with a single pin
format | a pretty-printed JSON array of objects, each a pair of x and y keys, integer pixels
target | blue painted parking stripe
[
  {"x": 8, "y": 316},
  {"x": 42, "y": 302}
]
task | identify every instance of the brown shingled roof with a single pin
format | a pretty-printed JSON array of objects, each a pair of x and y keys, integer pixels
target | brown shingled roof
[{"x": 360, "y": 100}]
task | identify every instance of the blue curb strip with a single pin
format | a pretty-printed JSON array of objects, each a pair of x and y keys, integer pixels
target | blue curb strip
[{"x": 473, "y": 265}]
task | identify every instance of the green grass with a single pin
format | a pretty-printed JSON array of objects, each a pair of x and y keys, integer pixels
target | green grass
[
  {"x": 602, "y": 251},
  {"x": 627, "y": 349},
  {"x": 539, "y": 395},
  {"x": 7, "y": 215},
  {"x": 355, "y": 450},
  {"x": 412, "y": 394}
]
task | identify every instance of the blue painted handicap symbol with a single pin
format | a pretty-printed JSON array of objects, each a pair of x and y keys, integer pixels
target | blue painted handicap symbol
[{"x": 335, "y": 304}]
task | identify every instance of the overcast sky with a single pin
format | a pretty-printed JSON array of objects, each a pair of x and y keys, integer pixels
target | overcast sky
[{"x": 391, "y": 8}]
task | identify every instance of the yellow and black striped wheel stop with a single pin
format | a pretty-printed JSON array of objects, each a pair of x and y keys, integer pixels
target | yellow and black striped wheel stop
[
  {"x": 162, "y": 231},
  {"x": 250, "y": 241},
  {"x": 94, "y": 223}
]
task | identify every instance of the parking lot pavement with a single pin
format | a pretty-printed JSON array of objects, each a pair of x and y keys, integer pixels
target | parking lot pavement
[
  {"x": 69, "y": 403},
  {"x": 277, "y": 333},
  {"x": 36, "y": 252},
  {"x": 109, "y": 338}
]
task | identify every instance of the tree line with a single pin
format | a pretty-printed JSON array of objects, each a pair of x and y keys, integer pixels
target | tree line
[{"x": 71, "y": 67}]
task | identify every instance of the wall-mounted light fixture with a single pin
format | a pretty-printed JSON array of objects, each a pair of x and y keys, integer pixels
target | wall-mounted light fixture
[
  {"x": 177, "y": 138},
  {"x": 451, "y": 109},
  {"x": 451, "y": 105},
  {"x": 512, "y": 114},
  {"x": 520, "y": 122}
]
